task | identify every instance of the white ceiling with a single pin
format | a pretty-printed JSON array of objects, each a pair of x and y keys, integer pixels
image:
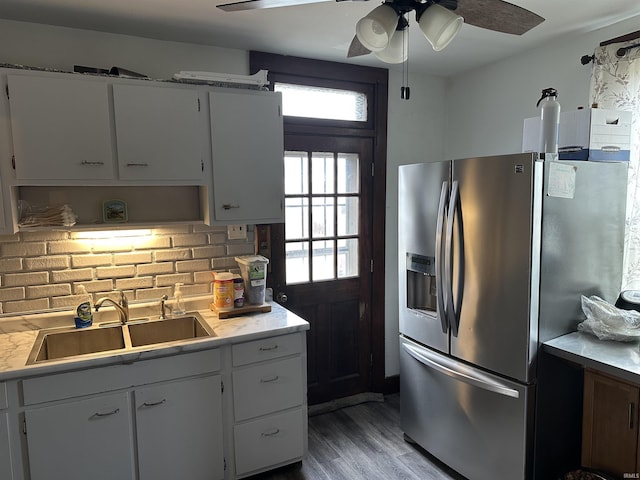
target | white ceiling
[{"x": 322, "y": 31}]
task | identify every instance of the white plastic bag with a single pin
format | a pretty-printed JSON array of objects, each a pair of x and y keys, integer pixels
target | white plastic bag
[{"x": 608, "y": 322}]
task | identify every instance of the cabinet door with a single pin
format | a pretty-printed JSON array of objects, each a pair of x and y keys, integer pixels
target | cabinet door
[
  {"x": 85, "y": 439},
  {"x": 248, "y": 156},
  {"x": 6, "y": 472},
  {"x": 60, "y": 128},
  {"x": 158, "y": 133},
  {"x": 179, "y": 428},
  {"x": 610, "y": 424}
]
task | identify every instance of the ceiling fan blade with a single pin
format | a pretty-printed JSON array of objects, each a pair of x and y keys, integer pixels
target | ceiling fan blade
[
  {"x": 356, "y": 49},
  {"x": 258, "y": 4},
  {"x": 498, "y": 15}
]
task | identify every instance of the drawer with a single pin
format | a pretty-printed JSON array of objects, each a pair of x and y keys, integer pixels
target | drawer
[
  {"x": 267, "y": 388},
  {"x": 3, "y": 396},
  {"x": 114, "y": 377},
  {"x": 270, "y": 441},
  {"x": 266, "y": 349}
]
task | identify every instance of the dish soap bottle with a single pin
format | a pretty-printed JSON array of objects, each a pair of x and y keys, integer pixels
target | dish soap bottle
[
  {"x": 178, "y": 305},
  {"x": 84, "y": 315}
]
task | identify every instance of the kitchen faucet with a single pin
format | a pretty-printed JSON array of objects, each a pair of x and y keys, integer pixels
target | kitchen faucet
[{"x": 122, "y": 307}]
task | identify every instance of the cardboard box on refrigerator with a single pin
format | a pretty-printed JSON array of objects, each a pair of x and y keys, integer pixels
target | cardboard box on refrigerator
[{"x": 594, "y": 134}]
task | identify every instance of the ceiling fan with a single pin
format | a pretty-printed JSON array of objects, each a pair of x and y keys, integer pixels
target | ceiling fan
[{"x": 383, "y": 30}]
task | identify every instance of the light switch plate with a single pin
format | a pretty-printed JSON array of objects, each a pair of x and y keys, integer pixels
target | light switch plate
[{"x": 236, "y": 232}]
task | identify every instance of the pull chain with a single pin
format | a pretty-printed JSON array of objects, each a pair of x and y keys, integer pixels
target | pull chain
[{"x": 405, "y": 90}]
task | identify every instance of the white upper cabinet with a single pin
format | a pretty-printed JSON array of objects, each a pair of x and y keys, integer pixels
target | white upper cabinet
[
  {"x": 158, "y": 133},
  {"x": 60, "y": 128},
  {"x": 248, "y": 156}
]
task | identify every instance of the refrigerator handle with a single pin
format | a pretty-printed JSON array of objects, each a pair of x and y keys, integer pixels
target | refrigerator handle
[
  {"x": 454, "y": 215},
  {"x": 440, "y": 300},
  {"x": 430, "y": 360}
]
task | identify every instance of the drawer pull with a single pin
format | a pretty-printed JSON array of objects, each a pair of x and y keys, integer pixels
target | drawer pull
[
  {"x": 86, "y": 162},
  {"x": 266, "y": 349},
  {"x": 154, "y": 404},
  {"x": 269, "y": 379},
  {"x": 229, "y": 206},
  {"x": 108, "y": 414},
  {"x": 271, "y": 433},
  {"x": 134, "y": 164}
]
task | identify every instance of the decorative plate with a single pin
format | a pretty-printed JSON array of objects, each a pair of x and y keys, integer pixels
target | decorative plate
[{"x": 114, "y": 211}]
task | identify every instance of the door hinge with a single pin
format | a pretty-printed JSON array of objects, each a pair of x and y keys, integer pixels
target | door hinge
[
  {"x": 202, "y": 165},
  {"x": 221, "y": 386},
  {"x": 224, "y": 462},
  {"x": 198, "y": 104},
  {"x": 13, "y": 162},
  {"x": 24, "y": 427},
  {"x": 6, "y": 89}
]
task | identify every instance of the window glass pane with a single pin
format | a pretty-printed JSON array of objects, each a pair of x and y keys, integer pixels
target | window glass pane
[
  {"x": 348, "y": 173},
  {"x": 322, "y": 216},
  {"x": 323, "y": 256},
  {"x": 296, "y": 218},
  {"x": 348, "y": 215},
  {"x": 317, "y": 102},
  {"x": 297, "y": 262},
  {"x": 296, "y": 173},
  {"x": 348, "y": 257},
  {"x": 322, "y": 179}
]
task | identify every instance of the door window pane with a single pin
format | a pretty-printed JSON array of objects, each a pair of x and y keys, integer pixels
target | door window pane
[
  {"x": 322, "y": 173},
  {"x": 323, "y": 260},
  {"x": 297, "y": 262},
  {"x": 348, "y": 173},
  {"x": 296, "y": 218},
  {"x": 348, "y": 258},
  {"x": 317, "y": 102},
  {"x": 323, "y": 215},
  {"x": 348, "y": 215},
  {"x": 296, "y": 173}
]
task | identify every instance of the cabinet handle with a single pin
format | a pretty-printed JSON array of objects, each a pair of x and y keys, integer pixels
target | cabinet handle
[
  {"x": 271, "y": 433},
  {"x": 108, "y": 414},
  {"x": 266, "y": 349},
  {"x": 154, "y": 404},
  {"x": 86, "y": 162},
  {"x": 269, "y": 379},
  {"x": 229, "y": 206},
  {"x": 142, "y": 164},
  {"x": 631, "y": 416}
]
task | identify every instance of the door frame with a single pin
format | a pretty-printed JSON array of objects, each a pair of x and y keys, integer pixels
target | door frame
[{"x": 373, "y": 81}]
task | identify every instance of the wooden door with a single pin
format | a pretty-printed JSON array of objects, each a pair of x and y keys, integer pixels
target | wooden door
[
  {"x": 322, "y": 255},
  {"x": 610, "y": 424}
]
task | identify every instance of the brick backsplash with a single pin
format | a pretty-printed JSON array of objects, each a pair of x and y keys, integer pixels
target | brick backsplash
[{"x": 42, "y": 270}]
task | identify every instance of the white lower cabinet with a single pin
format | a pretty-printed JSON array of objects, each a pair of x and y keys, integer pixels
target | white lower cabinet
[
  {"x": 179, "y": 430},
  {"x": 5, "y": 449},
  {"x": 89, "y": 438}
]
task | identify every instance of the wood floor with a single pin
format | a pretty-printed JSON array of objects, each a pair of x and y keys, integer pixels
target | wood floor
[{"x": 362, "y": 442}]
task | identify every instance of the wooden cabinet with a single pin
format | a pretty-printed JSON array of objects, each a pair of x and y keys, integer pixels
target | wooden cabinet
[
  {"x": 88, "y": 438},
  {"x": 248, "y": 156},
  {"x": 179, "y": 430},
  {"x": 269, "y": 403},
  {"x": 158, "y": 134},
  {"x": 6, "y": 470},
  {"x": 61, "y": 128},
  {"x": 610, "y": 424}
]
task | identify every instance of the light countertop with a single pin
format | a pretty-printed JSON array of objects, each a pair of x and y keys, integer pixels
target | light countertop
[
  {"x": 620, "y": 359},
  {"x": 18, "y": 334}
]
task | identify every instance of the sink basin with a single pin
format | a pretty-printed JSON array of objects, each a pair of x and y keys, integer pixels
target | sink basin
[
  {"x": 170, "y": 330},
  {"x": 68, "y": 342}
]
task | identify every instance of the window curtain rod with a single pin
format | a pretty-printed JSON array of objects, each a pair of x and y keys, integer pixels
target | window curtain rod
[{"x": 586, "y": 59}]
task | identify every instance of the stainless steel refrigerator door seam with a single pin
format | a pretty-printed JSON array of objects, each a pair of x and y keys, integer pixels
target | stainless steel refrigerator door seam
[
  {"x": 430, "y": 360},
  {"x": 440, "y": 300}
]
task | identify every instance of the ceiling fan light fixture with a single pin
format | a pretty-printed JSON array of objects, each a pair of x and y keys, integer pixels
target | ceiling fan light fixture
[
  {"x": 396, "y": 51},
  {"x": 376, "y": 30},
  {"x": 439, "y": 25}
]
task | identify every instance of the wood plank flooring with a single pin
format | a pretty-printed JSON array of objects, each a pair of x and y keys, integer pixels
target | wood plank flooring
[{"x": 362, "y": 442}]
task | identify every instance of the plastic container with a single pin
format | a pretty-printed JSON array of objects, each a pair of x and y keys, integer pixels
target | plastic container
[
  {"x": 253, "y": 269},
  {"x": 178, "y": 304},
  {"x": 84, "y": 315},
  {"x": 222, "y": 290},
  {"x": 238, "y": 291},
  {"x": 549, "y": 120}
]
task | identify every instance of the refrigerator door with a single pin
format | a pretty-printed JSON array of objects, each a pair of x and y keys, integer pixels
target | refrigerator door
[
  {"x": 423, "y": 192},
  {"x": 498, "y": 212},
  {"x": 477, "y": 423}
]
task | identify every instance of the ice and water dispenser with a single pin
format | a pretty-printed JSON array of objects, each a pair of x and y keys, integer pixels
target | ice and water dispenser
[{"x": 421, "y": 282}]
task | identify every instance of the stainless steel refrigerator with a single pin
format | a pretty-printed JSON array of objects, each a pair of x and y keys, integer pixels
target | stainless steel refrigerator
[{"x": 494, "y": 254}]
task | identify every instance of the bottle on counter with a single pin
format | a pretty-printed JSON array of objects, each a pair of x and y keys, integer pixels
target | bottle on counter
[
  {"x": 178, "y": 304},
  {"x": 84, "y": 313}
]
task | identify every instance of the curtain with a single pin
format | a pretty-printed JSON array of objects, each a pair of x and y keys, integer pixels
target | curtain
[{"x": 615, "y": 84}]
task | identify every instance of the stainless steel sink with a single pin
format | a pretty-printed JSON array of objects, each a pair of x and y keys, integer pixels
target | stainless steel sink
[
  {"x": 189, "y": 327},
  {"x": 69, "y": 342},
  {"x": 60, "y": 343}
]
